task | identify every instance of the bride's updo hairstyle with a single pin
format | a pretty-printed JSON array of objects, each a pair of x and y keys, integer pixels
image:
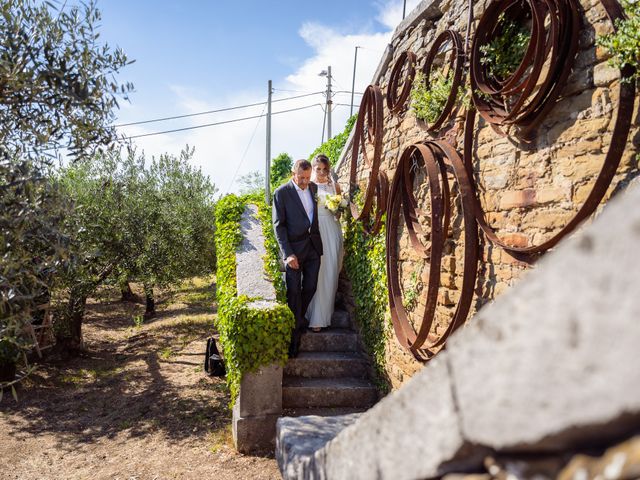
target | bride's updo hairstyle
[{"x": 321, "y": 158}]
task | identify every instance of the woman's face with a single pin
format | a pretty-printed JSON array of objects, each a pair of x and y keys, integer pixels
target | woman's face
[{"x": 320, "y": 170}]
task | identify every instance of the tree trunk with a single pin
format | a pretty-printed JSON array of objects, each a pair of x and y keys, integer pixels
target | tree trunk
[
  {"x": 69, "y": 339},
  {"x": 127, "y": 293},
  {"x": 151, "y": 303}
]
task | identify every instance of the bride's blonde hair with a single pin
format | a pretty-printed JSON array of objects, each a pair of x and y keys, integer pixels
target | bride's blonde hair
[{"x": 321, "y": 158}]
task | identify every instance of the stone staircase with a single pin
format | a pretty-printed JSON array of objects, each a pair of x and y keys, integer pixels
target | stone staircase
[{"x": 330, "y": 375}]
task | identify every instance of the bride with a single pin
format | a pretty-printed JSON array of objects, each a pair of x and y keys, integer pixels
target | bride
[{"x": 321, "y": 307}]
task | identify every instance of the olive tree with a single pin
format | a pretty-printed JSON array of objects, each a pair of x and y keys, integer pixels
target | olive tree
[{"x": 57, "y": 90}]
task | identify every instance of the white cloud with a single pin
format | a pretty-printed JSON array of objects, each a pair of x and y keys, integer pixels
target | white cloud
[
  {"x": 220, "y": 150},
  {"x": 391, "y": 12}
]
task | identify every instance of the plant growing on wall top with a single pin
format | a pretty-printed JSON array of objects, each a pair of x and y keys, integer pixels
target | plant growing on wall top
[
  {"x": 504, "y": 53},
  {"x": 428, "y": 102},
  {"x": 624, "y": 43}
]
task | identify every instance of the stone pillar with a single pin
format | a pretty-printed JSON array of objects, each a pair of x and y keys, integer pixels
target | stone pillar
[
  {"x": 259, "y": 402},
  {"x": 257, "y": 408}
]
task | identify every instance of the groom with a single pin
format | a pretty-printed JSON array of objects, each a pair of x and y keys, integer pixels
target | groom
[{"x": 295, "y": 221}]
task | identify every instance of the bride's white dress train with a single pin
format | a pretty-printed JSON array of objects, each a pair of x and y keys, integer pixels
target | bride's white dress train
[{"x": 321, "y": 307}]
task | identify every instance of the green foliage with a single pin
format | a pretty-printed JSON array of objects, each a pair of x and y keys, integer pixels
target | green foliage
[
  {"x": 624, "y": 44},
  {"x": 280, "y": 170},
  {"x": 428, "y": 103},
  {"x": 250, "y": 337},
  {"x": 148, "y": 223},
  {"x": 57, "y": 84},
  {"x": 32, "y": 246},
  {"x": 365, "y": 265},
  {"x": 504, "y": 53},
  {"x": 9, "y": 351},
  {"x": 412, "y": 293},
  {"x": 138, "y": 321},
  {"x": 332, "y": 148},
  {"x": 57, "y": 89}
]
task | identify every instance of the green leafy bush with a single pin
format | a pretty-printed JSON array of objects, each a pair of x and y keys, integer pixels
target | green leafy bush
[
  {"x": 428, "y": 103},
  {"x": 364, "y": 262},
  {"x": 624, "y": 44},
  {"x": 280, "y": 170},
  {"x": 504, "y": 53},
  {"x": 332, "y": 148},
  {"x": 250, "y": 337}
]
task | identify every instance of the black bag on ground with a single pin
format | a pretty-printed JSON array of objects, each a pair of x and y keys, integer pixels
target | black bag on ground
[{"x": 213, "y": 363}]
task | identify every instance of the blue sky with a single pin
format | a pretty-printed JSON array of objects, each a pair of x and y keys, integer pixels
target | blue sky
[{"x": 203, "y": 55}]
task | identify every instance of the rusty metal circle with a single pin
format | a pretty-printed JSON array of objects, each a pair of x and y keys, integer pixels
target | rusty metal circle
[
  {"x": 404, "y": 331},
  {"x": 396, "y": 102},
  {"x": 368, "y": 133},
  {"x": 437, "y": 158},
  {"x": 527, "y": 95},
  {"x": 456, "y": 64},
  {"x": 373, "y": 227}
]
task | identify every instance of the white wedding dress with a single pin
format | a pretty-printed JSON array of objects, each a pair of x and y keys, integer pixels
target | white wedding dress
[{"x": 321, "y": 307}]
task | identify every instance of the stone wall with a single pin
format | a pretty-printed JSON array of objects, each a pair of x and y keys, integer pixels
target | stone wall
[{"x": 528, "y": 190}]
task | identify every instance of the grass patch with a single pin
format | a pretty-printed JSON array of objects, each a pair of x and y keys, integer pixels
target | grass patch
[
  {"x": 220, "y": 439},
  {"x": 166, "y": 353}
]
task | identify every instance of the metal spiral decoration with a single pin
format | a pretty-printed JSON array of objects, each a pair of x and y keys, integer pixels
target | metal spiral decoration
[
  {"x": 456, "y": 64},
  {"x": 529, "y": 93},
  {"x": 396, "y": 102},
  {"x": 609, "y": 166},
  {"x": 522, "y": 100},
  {"x": 368, "y": 135},
  {"x": 437, "y": 158}
]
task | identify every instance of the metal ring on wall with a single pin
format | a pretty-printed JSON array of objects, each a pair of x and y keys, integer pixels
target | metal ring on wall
[
  {"x": 456, "y": 64},
  {"x": 368, "y": 131},
  {"x": 396, "y": 102},
  {"x": 437, "y": 158},
  {"x": 532, "y": 89}
]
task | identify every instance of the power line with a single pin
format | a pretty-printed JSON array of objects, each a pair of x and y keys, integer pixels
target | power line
[
  {"x": 218, "y": 123},
  {"x": 175, "y": 117},
  {"x": 246, "y": 149}
]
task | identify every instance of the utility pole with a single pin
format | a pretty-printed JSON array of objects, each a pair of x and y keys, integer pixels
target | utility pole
[
  {"x": 329, "y": 102},
  {"x": 404, "y": 8},
  {"x": 353, "y": 82},
  {"x": 267, "y": 173}
]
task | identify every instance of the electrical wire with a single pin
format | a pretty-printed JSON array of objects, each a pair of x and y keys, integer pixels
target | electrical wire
[
  {"x": 246, "y": 150},
  {"x": 207, "y": 112},
  {"x": 218, "y": 123}
]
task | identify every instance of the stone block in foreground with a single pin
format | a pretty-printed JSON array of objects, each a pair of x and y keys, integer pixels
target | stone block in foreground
[
  {"x": 411, "y": 433},
  {"x": 300, "y": 437},
  {"x": 555, "y": 362}
]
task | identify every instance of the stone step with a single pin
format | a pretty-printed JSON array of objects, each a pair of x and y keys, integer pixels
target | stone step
[
  {"x": 341, "y": 319},
  {"x": 327, "y": 392},
  {"x": 327, "y": 364},
  {"x": 321, "y": 411},
  {"x": 329, "y": 340}
]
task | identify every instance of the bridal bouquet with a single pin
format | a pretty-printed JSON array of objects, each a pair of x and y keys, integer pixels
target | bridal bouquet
[{"x": 336, "y": 203}]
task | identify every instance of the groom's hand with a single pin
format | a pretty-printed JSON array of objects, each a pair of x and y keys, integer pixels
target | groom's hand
[{"x": 292, "y": 261}]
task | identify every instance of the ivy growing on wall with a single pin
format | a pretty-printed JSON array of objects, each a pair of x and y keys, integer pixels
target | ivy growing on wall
[
  {"x": 624, "y": 44},
  {"x": 250, "y": 337},
  {"x": 365, "y": 265},
  {"x": 503, "y": 55},
  {"x": 428, "y": 103},
  {"x": 333, "y": 147}
]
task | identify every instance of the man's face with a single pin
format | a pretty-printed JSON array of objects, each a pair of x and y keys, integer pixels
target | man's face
[{"x": 302, "y": 178}]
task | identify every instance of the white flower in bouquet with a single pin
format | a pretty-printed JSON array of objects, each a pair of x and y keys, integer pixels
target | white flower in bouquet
[{"x": 335, "y": 203}]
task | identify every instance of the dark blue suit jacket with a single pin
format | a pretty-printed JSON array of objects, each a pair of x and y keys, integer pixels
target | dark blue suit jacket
[{"x": 295, "y": 234}]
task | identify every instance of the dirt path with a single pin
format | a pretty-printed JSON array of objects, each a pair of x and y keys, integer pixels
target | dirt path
[{"x": 138, "y": 406}]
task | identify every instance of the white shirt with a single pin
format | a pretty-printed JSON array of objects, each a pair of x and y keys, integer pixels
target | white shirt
[{"x": 307, "y": 201}]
